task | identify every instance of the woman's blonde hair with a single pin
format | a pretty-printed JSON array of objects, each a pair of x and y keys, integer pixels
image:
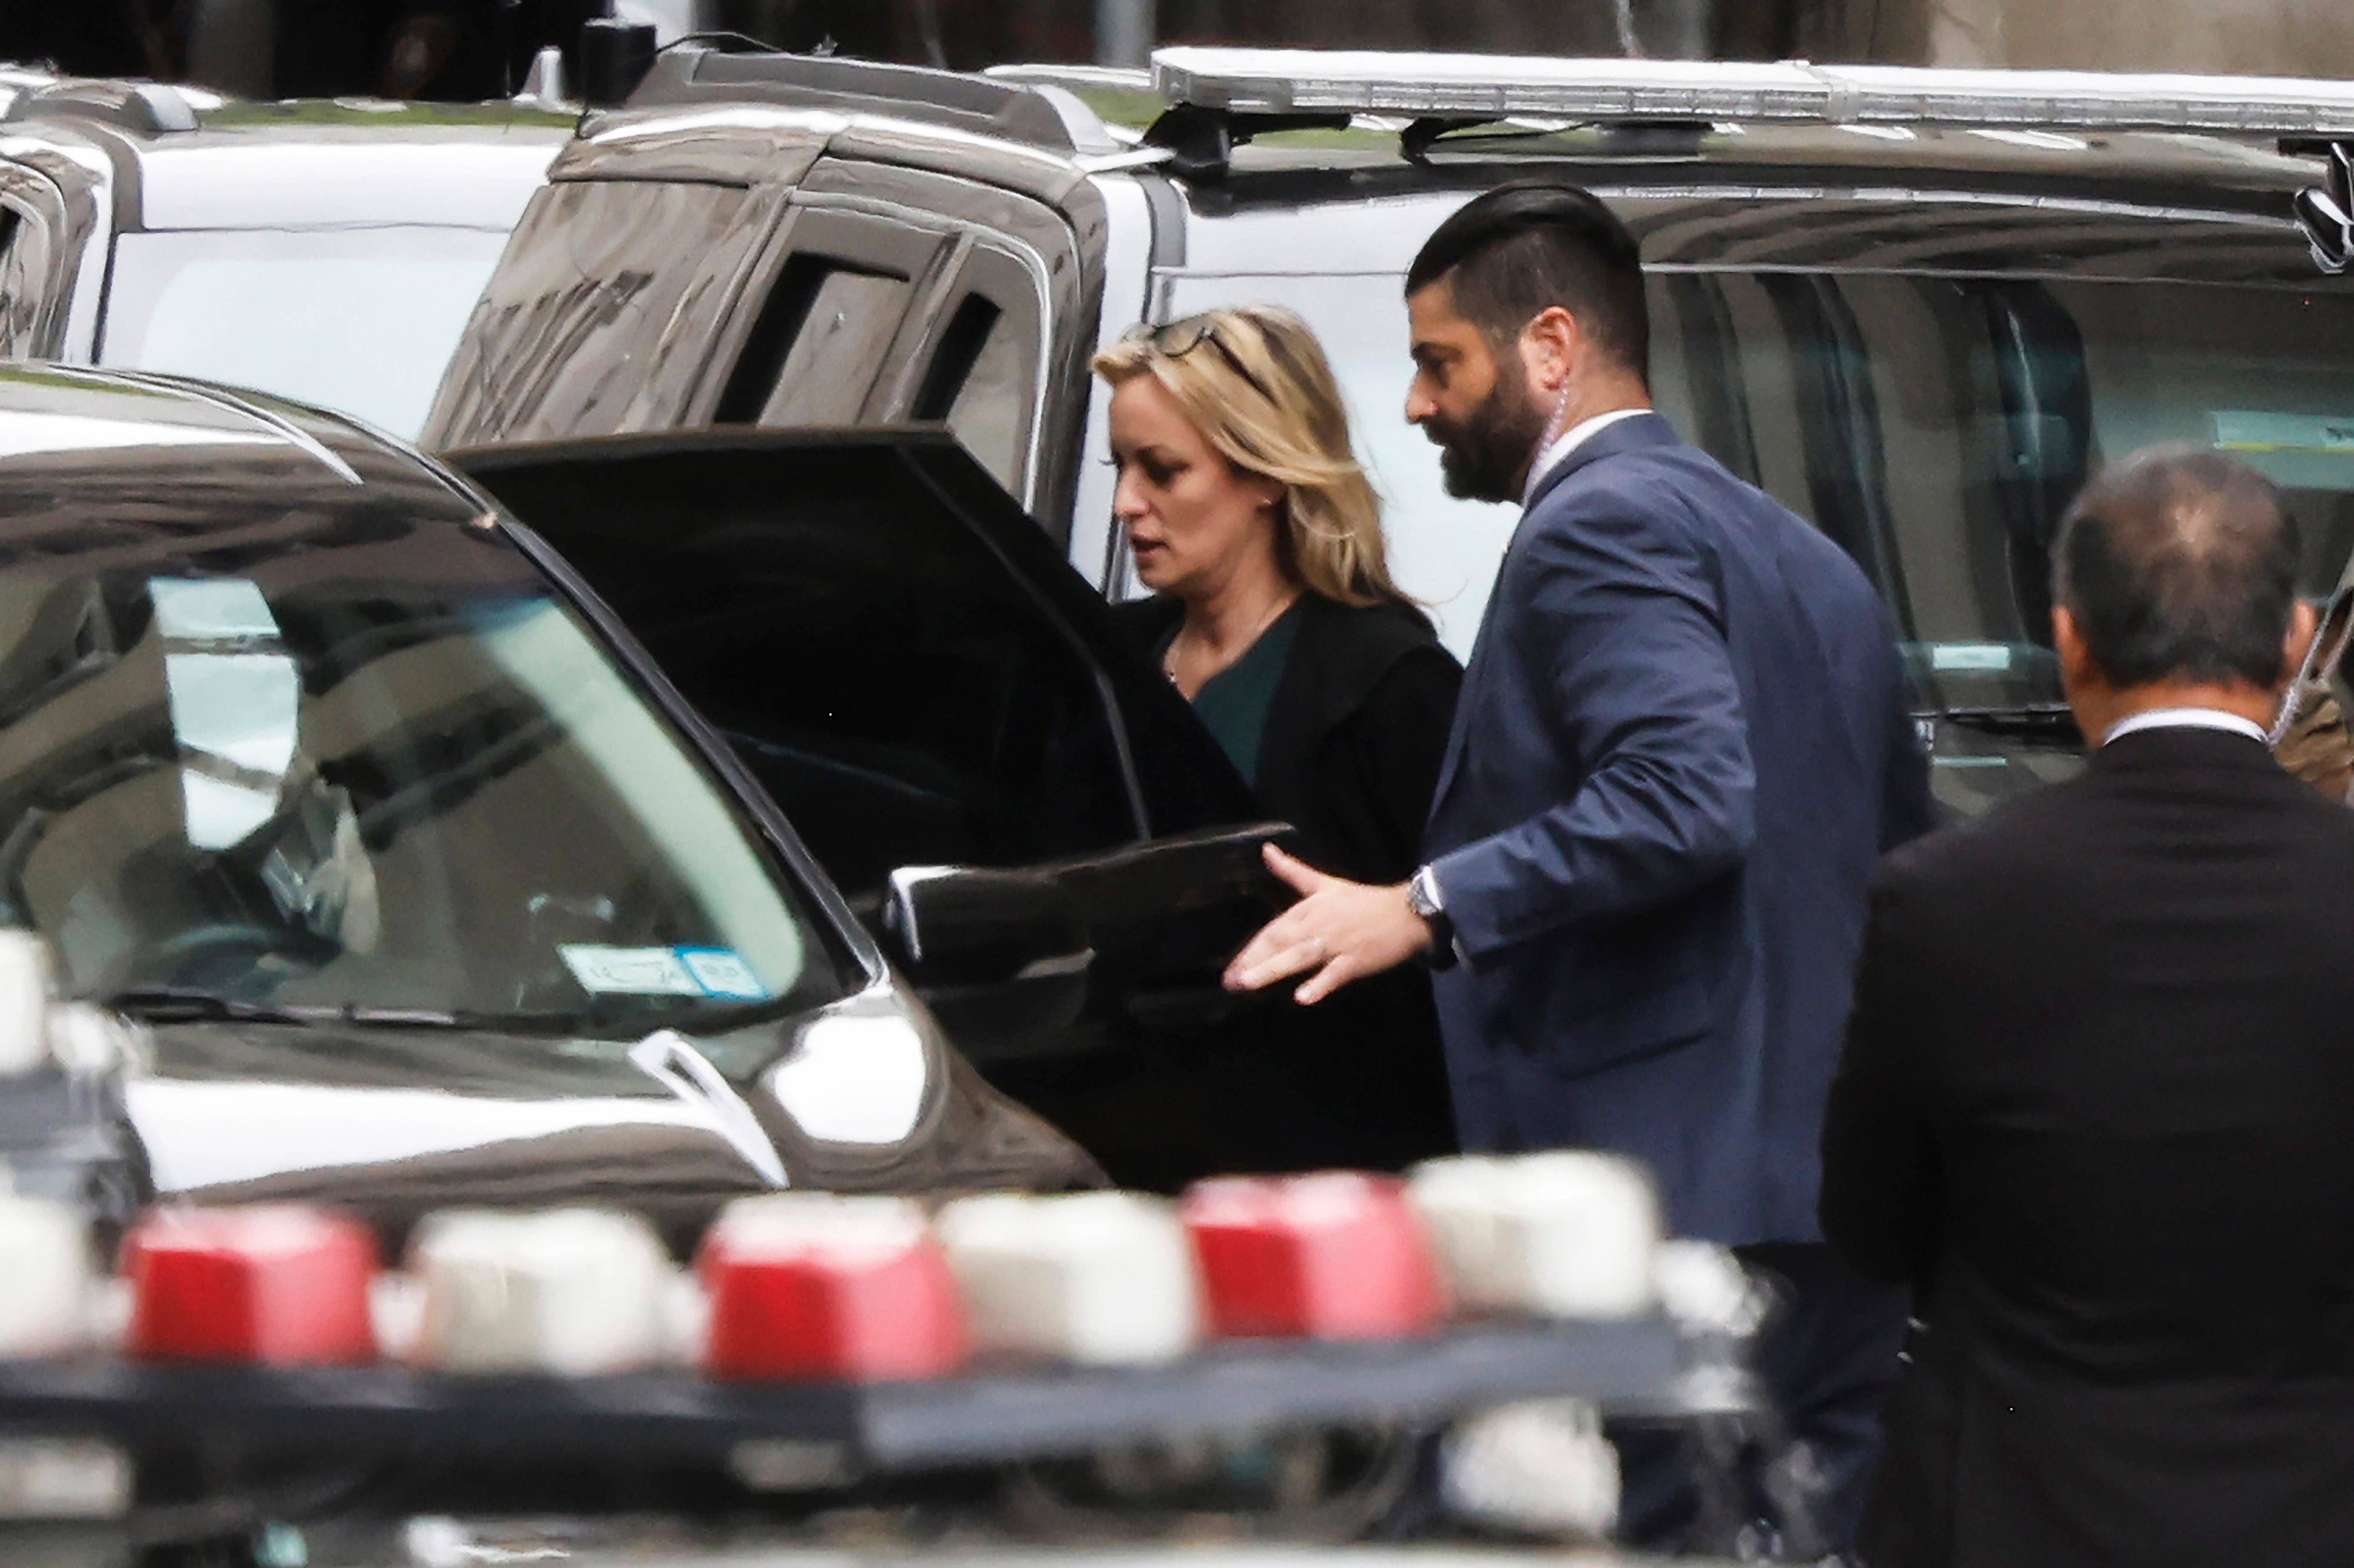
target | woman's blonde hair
[{"x": 1256, "y": 383}]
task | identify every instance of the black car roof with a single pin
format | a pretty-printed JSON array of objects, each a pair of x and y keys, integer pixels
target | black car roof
[{"x": 93, "y": 443}]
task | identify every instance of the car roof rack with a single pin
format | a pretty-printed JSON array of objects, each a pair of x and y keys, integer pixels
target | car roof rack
[
  {"x": 689, "y": 73},
  {"x": 151, "y": 108}
]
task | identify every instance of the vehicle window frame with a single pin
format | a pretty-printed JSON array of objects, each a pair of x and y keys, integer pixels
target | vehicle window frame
[{"x": 1012, "y": 281}]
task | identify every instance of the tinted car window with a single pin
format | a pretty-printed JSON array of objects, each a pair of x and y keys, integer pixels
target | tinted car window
[
  {"x": 849, "y": 319},
  {"x": 991, "y": 413},
  {"x": 346, "y": 761},
  {"x": 362, "y": 321},
  {"x": 977, "y": 383},
  {"x": 980, "y": 371},
  {"x": 887, "y": 675},
  {"x": 1937, "y": 428}
]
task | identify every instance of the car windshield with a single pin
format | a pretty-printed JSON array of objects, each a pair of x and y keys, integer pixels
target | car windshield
[
  {"x": 359, "y": 321},
  {"x": 1935, "y": 426},
  {"x": 367, "y": 765}
]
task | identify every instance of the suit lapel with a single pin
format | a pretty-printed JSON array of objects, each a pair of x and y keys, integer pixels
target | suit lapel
[{"x": 1626, "y": 435}]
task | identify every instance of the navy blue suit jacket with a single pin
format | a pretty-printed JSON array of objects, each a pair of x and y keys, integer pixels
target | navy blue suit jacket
[{"x": 1683, "y": 742}]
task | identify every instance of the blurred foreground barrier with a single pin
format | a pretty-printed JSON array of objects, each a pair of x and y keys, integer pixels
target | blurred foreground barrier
[{"x": 814, "y": 1341}]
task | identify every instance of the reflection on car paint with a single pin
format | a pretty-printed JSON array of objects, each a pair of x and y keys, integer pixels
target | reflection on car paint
[{"x": 854, "y": 1079}]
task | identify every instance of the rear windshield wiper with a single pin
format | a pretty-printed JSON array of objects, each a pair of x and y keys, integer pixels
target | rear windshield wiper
[{"x": 2051, "y": 722}]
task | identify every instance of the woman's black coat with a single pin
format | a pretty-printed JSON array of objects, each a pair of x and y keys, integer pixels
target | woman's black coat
[{"x": 1355, "y": 735}]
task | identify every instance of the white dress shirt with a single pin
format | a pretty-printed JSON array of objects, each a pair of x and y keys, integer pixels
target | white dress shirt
[
  {"x": 1550, "y": 457},
  {"x": 2186, "y": 719}
]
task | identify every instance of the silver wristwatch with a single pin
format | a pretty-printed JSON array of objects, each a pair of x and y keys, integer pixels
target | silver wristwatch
[{"x": 1422, "y": 896}]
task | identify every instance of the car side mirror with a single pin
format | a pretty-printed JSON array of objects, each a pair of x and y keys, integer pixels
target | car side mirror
[{"x": 998, "y": 955}]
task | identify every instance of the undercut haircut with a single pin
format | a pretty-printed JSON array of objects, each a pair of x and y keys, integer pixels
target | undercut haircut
[
  {"x": 2179, "y": 563},
  {"x": 1518, "y": 251}
]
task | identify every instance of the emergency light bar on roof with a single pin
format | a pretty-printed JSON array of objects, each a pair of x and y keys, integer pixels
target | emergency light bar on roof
[{"x": 1484, "y": 86}]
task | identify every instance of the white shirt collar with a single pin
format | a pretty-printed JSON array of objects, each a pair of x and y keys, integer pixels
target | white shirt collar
[
  {"x": 1554, "y": 451},
  {"x": 2186, "y": 719}
]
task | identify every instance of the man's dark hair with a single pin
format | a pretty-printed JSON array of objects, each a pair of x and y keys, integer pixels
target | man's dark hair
[
  {"x": 2179, "y": 563},
  {"x": 1514, "y": 252}
]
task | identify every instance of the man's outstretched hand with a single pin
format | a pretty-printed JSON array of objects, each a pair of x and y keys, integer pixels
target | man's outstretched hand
[{"x": 1343, "y": 930}]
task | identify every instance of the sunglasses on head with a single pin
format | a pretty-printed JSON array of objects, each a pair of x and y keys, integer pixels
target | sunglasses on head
[{"x": 1179, "y": 338}]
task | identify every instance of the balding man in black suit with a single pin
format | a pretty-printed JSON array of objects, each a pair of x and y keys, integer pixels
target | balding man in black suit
[{"x": 2097, "y": 1097}]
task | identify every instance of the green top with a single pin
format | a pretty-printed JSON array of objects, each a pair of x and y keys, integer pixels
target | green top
[{"x": 1233, "y": 702}]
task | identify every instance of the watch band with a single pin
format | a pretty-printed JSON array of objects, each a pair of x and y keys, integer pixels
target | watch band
[{"x": 1422, "y": 896}]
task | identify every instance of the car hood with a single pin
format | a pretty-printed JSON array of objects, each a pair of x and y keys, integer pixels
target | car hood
[{"x": 393, "y": 1122}]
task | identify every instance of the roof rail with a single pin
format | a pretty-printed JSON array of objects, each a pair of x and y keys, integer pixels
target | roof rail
[
  {"x": 149, "y": 107},
  {"x": 687, "y": 73},
  {"x": 1487, "y": 87},
  {"x": 1108, "y": 78}
]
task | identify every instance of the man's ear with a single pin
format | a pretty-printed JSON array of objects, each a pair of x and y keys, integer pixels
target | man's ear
[
  {"x": 2076, "y": 666},
  {"x": 2303, "y": 625},
  {"x": 1551, "y": 347}
]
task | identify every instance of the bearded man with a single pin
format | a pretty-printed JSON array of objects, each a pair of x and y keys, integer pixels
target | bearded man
[{"x": 1683, "y": 742}]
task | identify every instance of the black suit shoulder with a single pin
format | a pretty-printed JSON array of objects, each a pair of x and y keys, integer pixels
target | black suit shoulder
[
  {"x": 2193, "y": 771},
  {"x": 1977, "y": 845}
]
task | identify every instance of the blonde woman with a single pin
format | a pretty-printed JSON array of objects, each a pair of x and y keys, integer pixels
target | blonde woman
[{"x": 1273, "y": 612}]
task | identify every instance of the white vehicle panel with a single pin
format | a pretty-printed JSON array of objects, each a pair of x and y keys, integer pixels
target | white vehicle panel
[
  {"x": 1337, "y": 237},
  {"x": 476, "y": 182}
]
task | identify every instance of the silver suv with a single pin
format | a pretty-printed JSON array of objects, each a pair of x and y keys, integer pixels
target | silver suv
[
  {"x": 1918, "y": 307},
  {"x": 326, "y": 251}
]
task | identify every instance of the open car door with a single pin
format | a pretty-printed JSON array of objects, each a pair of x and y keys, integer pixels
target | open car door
[{"x": 1029, "y": 817}]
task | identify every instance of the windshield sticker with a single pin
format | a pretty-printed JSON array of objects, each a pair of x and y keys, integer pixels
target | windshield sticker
[
  {"x": 723, "y": 974},
  {"x": 2239, "y": 430},
  {"x": 1982, "y": 657},
  {"x": 662, "y": 971},
  {"x": 210, "y": 610},
  {"x": 637, "y": 971}
]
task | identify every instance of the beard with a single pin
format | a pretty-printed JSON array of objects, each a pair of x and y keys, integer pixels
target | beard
[{"x": 1484, "y": 457}]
